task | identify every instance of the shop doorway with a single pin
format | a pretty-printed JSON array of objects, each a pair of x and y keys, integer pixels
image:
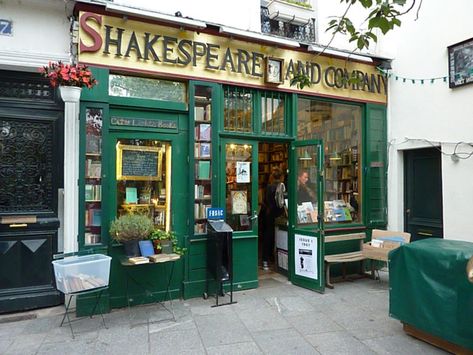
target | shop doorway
[
  {"x": 272, "y": 217},
  {"x": 423, "y": 194}
]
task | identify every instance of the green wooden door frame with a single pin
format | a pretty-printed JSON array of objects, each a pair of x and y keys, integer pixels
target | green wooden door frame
[
  {"x": 317, "y": 284},
  {"x": 179, "y": 178}
]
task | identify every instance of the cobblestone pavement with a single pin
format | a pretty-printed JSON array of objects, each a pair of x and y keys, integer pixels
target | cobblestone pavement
[{"x": 276, "y": 318}]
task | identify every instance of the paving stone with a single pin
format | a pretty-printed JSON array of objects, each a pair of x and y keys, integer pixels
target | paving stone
[
  {"x": 250, "y": 348},
  {"x": 221, "y": 329},
  {"x": 25, "y": 344},
  {"x": 340, "y": 342},
  {"x": 400, "y": 344},
  {"x": 266, "y": 317},
  {"x": 312, "y": 323},
  {"x": 176, "y": 342},
  {"x": 283, "y": 341}
]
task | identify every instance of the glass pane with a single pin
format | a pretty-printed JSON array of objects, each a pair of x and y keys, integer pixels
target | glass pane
[
  {"x": 238, "y": 186},
  {"x": 202, "y": 157},
  {"x": 146, "y": 88},
  {"x": 144, "y": 179},
  {"x": 93, "y": 175},
  {"x": 272, "y": 114},
  {"x": 306, "y": 158},
  {"x": 238, "y": 109},
  {"x": 339, "y": 126}
]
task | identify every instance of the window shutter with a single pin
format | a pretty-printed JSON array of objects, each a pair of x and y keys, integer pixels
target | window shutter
[{"x": 376, "y": 166}]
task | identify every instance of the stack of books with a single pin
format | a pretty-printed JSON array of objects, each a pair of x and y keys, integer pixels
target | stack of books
[{"x": 138, "y": 260}]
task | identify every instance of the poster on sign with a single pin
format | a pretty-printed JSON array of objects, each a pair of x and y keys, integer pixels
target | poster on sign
[{"x": 306, "y": 256}]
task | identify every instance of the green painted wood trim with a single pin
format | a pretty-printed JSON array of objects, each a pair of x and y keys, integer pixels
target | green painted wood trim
[
  {"x": 99, "y": 93},
  {"x": 82, "y": 145},
  {"x": 146, "y": 104}
]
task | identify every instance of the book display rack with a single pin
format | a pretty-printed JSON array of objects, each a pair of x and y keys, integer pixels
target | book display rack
[{"x": 202, "y": 156}]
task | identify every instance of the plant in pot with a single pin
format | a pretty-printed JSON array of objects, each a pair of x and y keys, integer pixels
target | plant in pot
[
  {"x": 129, "y": 229},
  {"x": 165, "y": 242}
]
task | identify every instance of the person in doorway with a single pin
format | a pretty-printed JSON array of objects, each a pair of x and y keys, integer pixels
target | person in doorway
[
  {"x": 270, "y": 210},
  {"x": 304, "y": 192}
]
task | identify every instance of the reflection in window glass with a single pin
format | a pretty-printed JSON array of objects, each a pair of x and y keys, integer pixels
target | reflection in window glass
[
  {"x": 272, "y": 113},
  {"x": 339, "y": 126},
  {"x": 238, "y": 109},
  {"x": 238, "y": 186},
  {"x": 144, "y": 180},
  {"x": 146, "y": 88},
  {"x": 306, "y": 185}
]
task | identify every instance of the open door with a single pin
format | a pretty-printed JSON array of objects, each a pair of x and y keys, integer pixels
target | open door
[{"x": 306, "y": 215}]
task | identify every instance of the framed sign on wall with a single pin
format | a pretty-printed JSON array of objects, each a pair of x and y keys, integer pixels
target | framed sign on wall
[{"x": 460, "y": 63}]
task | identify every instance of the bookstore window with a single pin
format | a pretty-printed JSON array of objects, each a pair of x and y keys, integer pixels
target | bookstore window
[
  {"x": 339, "y": 126},
  {"x": 238, "y": 109},
  {"x": 144, "y": 179},
  {"x": 272, "y": 113},
  {"x": 93, "y": 175},
  {"x": 146, "y": 88},
  {"x": 238, "y": 186}
]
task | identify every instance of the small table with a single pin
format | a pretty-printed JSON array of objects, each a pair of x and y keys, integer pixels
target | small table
[
  {"x": 98, "y": 291},
  {"x": 168, "y": 260}
]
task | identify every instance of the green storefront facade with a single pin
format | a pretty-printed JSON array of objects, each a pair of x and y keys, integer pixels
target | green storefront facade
[{"x": 206, "y": 123}]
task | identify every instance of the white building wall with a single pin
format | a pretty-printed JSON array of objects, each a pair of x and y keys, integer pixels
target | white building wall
[
  {"x": 422, "y": 115},
  {"x": 40, "y": 33},
  {"x": 242, "y": 14}
]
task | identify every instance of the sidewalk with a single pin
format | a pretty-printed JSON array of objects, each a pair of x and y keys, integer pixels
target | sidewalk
[{"x": 276, "y": 318}]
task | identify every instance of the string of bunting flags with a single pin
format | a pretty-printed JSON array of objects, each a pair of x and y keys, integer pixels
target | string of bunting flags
[{"x": 412, "y": 80}]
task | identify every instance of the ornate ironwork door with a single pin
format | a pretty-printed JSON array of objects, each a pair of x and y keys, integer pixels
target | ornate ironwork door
[{"x": 30, "y": 174}]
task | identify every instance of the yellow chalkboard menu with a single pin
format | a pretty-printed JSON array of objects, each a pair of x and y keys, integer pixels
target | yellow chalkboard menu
[{"x": 139, "y": 162}]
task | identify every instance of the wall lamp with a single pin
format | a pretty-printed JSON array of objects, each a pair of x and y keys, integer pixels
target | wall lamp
[
  {"x": 258, "y": 36},
  {"x": 178, "y": 20}
]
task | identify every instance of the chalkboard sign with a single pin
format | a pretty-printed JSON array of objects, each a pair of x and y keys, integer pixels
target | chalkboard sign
[{"x": 139, "y": 163}]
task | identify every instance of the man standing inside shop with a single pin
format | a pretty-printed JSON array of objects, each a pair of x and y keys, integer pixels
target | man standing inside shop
[
  {"x": 269, "y": 212},
  {"x": 304, "y": 192}
]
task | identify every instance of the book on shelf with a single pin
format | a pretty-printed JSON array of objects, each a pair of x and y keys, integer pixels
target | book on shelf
[
  {"x": 131, "y": 195},
  {"x": 146, "y": 247},
  {"x": 199, "y": 113},
  {"x": 95, "y": 217},
  {"x": 203, "y": 170},
  {"x": 93, "y": 192},
  {"x": 204, "y": 150},
  {"x": 138, "y": 260},
  {"x": 200, "y": 228},
  {"x": 161, "y": 258},
  {"x": 205, "y": 131},
  {"x": 200, "y": 210},
  {"x": 93, "y": 168},
  {"x": 93, "y": 144}
]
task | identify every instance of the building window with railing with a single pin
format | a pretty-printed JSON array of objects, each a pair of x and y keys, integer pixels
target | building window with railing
[{"x": 288, "y": 20}]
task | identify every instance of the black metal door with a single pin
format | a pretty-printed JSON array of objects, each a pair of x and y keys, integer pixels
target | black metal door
[
  {"x": 423, "y": 194},
  {"x": 30, "y": 174}
]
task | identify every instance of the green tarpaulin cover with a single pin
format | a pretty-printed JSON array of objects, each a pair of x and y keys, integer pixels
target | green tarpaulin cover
[{"x": 429, "y": 288}]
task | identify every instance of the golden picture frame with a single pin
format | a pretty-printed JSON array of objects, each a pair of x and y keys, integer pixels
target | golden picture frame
[
  {"x": 139, "y": 162},
  {"x": 274, "y": 70}
]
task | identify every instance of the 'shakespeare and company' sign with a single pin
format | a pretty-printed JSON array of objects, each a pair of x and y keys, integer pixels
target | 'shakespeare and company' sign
[{"x": 121, "y": 43}]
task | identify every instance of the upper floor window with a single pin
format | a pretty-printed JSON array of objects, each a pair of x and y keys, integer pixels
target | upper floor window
[{"x": 290, "y": 19}]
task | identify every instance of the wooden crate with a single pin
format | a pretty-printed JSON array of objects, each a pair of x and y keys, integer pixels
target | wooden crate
[{"x": 379, "y": 253}]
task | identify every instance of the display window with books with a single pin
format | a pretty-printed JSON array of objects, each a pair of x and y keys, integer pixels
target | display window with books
[
  {"x": 144, "y": 179},
  {"x": 202, "y": 156},
  {"x": 339, "y": 127},
  {"x": 93, "y": 176},
  {"x": 238, "y": 191}
]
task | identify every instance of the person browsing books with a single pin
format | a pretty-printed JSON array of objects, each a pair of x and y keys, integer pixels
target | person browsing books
[
  {"x": 304, "y": 192},
  {"x": 270, "y": 210}
]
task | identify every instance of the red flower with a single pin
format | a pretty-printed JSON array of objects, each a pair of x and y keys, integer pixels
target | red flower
[{"x": 60, "y": 74}]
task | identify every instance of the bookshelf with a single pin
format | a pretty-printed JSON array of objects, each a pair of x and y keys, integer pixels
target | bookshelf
[
  {"x": 202, "y": 156},
  {"x": 93, "y": 177},
  {"x": 342, "y": 168},
  {"x": 270, "y": 156}
]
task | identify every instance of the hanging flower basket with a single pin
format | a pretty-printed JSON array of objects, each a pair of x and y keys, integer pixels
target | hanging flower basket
[{"x": 60, "y": 74}]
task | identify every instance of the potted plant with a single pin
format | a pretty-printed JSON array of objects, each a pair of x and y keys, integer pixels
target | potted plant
[
  {"x": 70, "y": 78},
  {"x": 165, "y": 242},
  {"x": 129, "y": 229}
]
